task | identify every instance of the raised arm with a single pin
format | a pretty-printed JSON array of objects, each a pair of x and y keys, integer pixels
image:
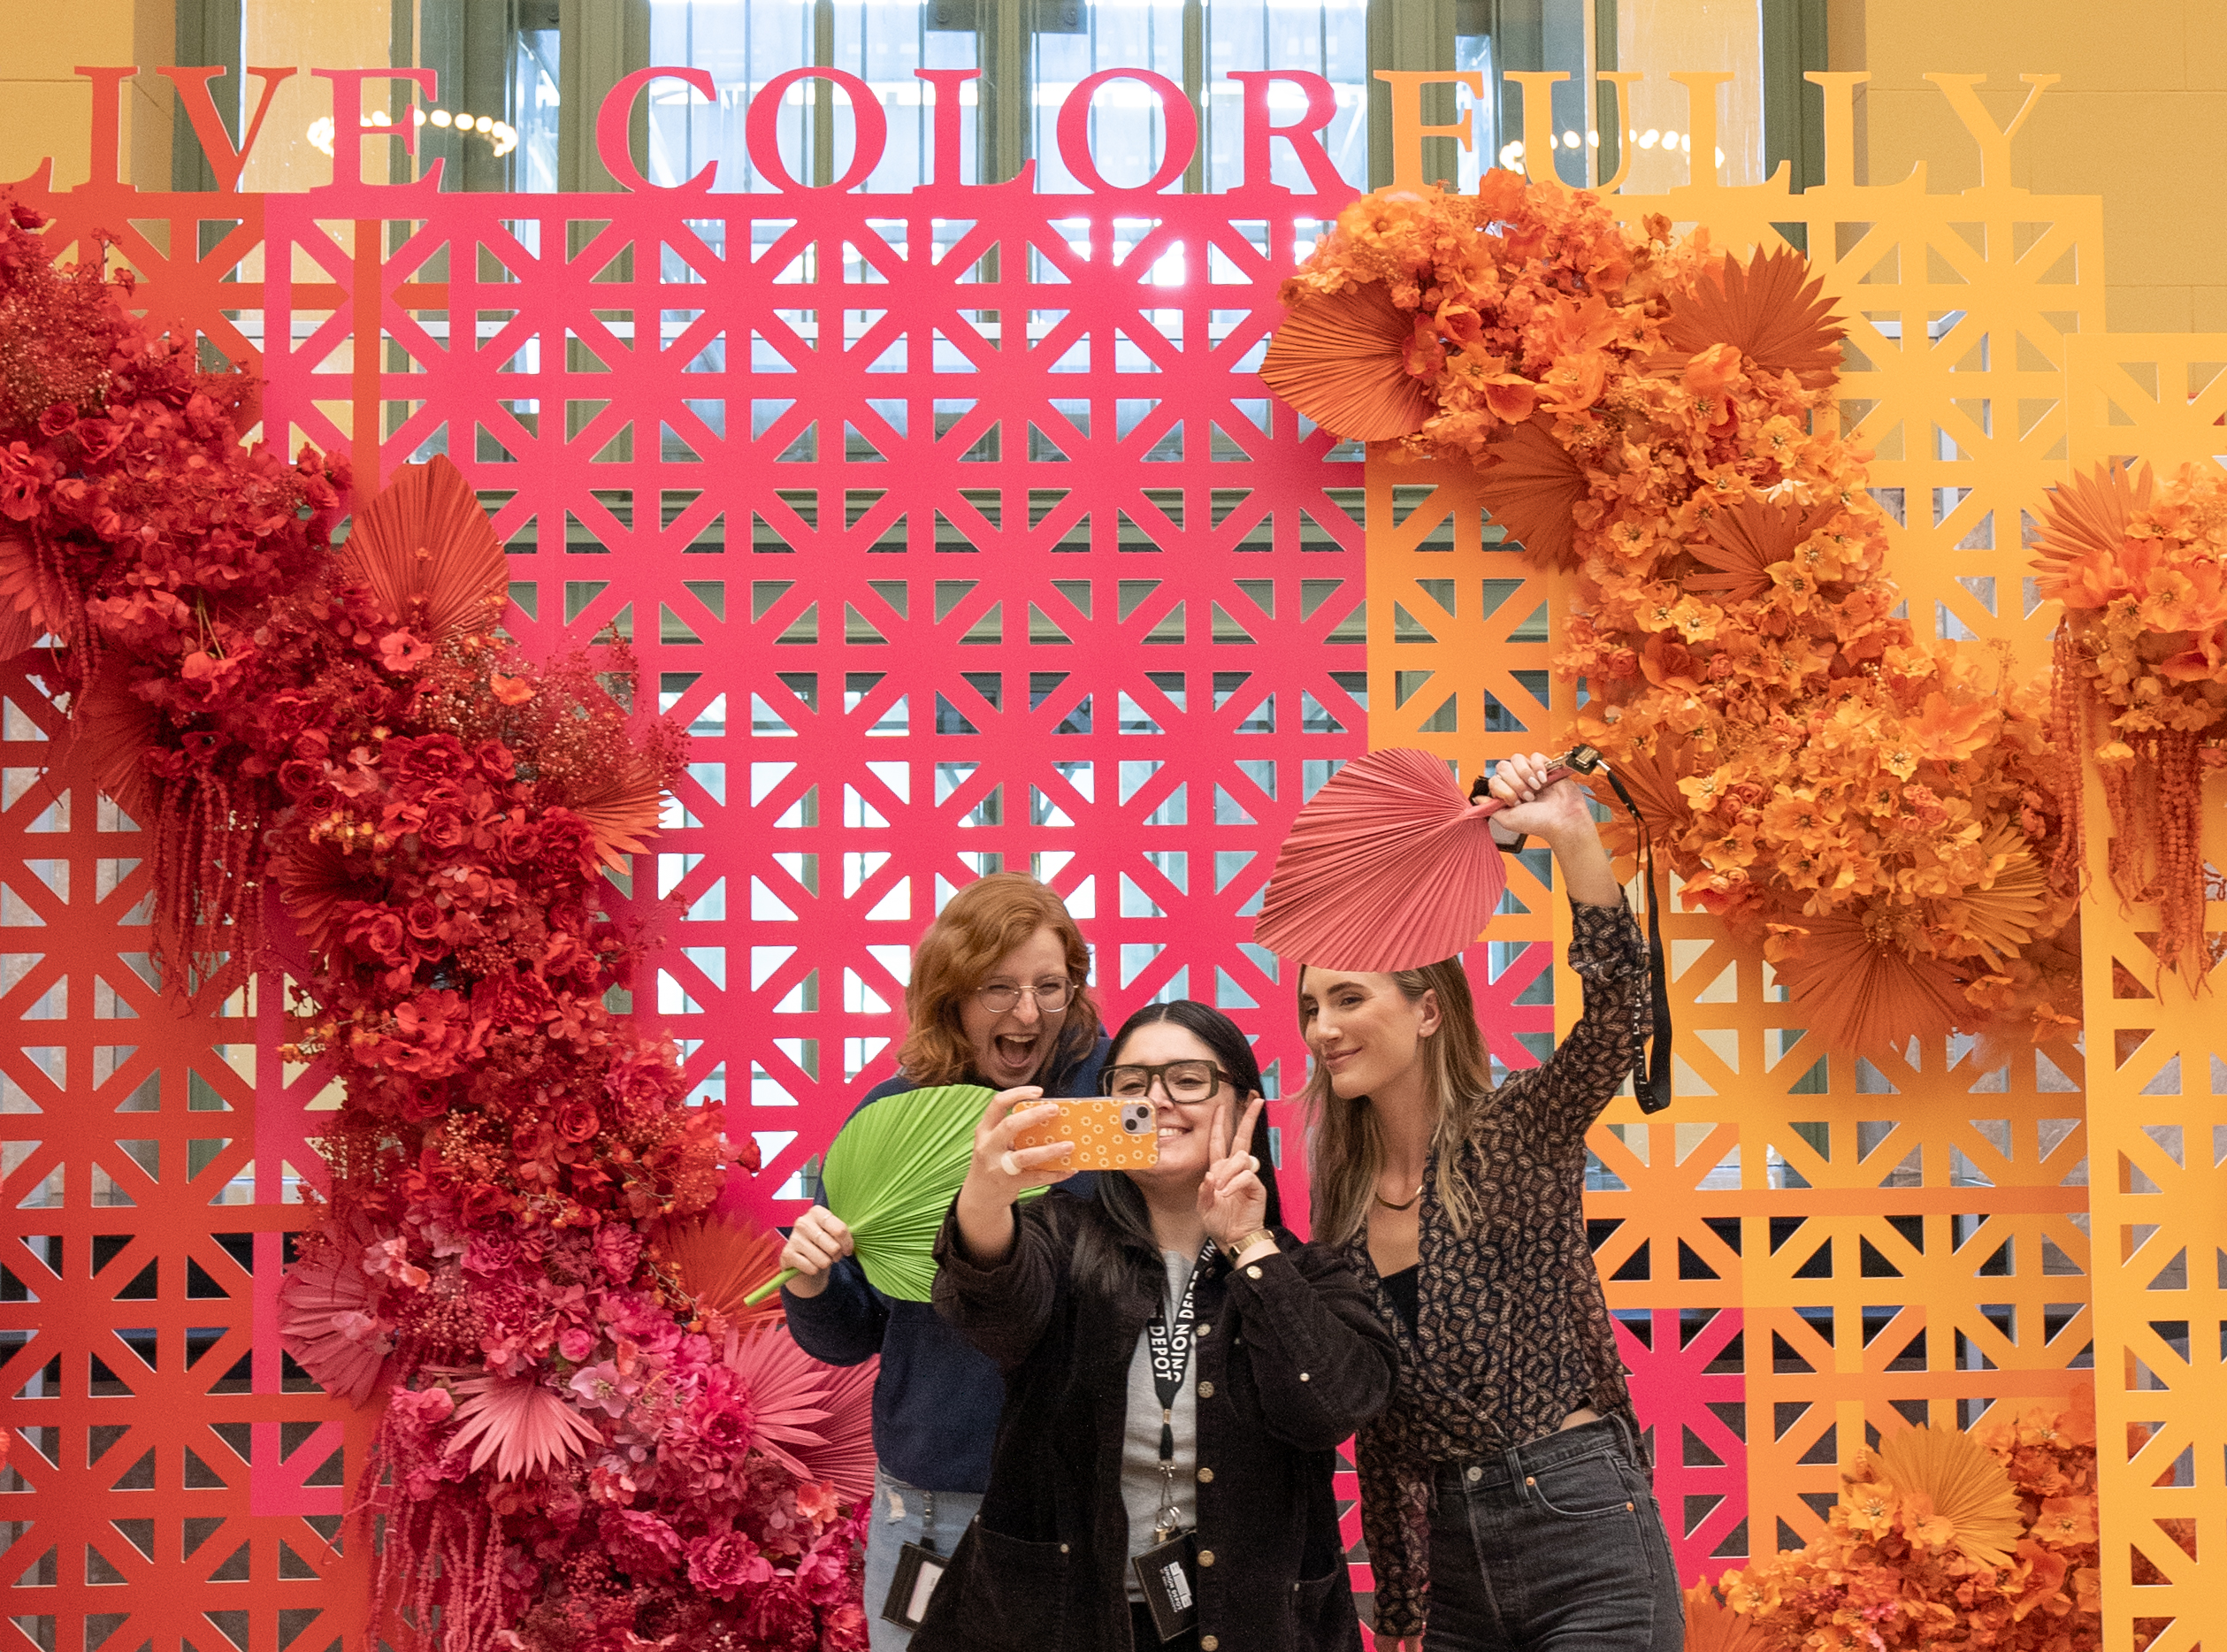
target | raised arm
[
  {"x": 997, "y": 1276},
  {"x": 1570, "y": 1089}
]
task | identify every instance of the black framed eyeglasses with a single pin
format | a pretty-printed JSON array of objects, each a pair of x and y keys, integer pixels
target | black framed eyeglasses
[
  {"x": 1183, "y": 1081},
  {"x": 1051, "y": 996}
]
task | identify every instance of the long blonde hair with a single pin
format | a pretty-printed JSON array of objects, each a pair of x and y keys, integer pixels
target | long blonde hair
[{"x": 1345, "y": 1148}]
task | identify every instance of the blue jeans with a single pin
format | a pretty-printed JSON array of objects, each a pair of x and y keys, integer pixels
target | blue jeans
[
  {"x": 1557, "y": 1546},
  {"x": 906, "y": 1514}
]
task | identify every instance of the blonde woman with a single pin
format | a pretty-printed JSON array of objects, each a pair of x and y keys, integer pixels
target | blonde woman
[{"x": 1504, "y": 1495}]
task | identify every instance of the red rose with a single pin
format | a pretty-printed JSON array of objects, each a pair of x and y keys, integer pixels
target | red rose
[
  {"x": 575, "y": 1121},
  {"x": 312, "y": 745},
  {"x": 426, "y": 921},
  {"x": 379, "y": 931},
  {"x": 297, "y": 778},
  {"x": 57, "y": 418}
]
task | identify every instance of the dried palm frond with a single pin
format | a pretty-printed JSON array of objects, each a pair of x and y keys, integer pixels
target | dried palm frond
[
  {"x": 2001, "y": 913},
  {"x": 1531, "y": 484},
  {"x": 110, "y": 729},
  {"x": 326, "y": 1323},
  {"x": 313, "y": 878},
  {"x": 1765, "y": 309},
  {"x": 1968, "y": 1487},
  {"x": 1744, "y": 540},
  {"x": 424, "y": 548},
  {"x": 2084, "y": 516},
  {"x": 786, "y": 1389},
  {"x": 720, "y": 1263},
  {"x": 620, "y": 804},
  {"x": 1342, "y": 360},
  {"x": 1861, "y": 989},
  {"x": 1713, "y": 1626},
  {"x": 844, "y": 1455},
  {"x": 520, "y": 1424}
]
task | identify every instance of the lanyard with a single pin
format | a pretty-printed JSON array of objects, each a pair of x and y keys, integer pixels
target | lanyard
[{"x": 1170, "y": 1343}]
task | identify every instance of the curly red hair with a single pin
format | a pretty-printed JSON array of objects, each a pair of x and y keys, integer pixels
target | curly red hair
[{"x": 982, "y": 922}]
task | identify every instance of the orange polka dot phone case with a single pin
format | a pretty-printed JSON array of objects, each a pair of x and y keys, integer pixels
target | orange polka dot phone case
[{"x": 1107, "y": 1134}]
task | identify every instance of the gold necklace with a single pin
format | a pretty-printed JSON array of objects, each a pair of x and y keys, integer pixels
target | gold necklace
[{"x": 1411, "y": 1197}]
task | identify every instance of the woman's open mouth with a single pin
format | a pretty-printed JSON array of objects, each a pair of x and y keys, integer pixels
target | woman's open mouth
[{"x": 1016, "y": 1053}]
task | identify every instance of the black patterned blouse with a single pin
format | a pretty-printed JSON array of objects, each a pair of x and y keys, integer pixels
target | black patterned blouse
[{"x": 1512, "y": 1333}]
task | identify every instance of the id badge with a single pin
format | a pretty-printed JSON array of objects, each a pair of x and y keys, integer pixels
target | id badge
[
  {"x": 918, "y": 1571},
  {"x": 1168, "y": 1575}
]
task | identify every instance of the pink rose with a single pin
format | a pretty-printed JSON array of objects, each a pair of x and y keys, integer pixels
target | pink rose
[{"x": 575, "y": 1345}]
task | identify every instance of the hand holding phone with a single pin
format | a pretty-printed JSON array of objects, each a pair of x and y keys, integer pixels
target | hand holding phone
[{"x": 1108, "y": 1134}]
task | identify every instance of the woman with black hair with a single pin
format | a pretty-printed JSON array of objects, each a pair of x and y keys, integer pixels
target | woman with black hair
[{"x": 1180, "y": 1371}]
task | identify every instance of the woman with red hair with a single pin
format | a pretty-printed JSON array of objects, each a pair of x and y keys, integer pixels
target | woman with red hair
[{"x": 999, "y": 996}]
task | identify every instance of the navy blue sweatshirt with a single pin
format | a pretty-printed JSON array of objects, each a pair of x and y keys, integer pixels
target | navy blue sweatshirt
[{"x": 937, "y": 1398}]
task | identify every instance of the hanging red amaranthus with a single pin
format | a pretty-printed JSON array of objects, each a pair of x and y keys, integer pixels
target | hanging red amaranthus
[{"x": 586, "y": 1445}]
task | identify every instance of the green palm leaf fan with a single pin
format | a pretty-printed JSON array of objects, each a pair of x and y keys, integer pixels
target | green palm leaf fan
[{"x": 891, "y": 1174}]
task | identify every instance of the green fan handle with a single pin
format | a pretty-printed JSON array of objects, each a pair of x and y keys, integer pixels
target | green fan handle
[{"x": 769, "y": 1287}]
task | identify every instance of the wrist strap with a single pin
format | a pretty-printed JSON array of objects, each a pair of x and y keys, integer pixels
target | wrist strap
[{"x": 1244, "y": 1241}]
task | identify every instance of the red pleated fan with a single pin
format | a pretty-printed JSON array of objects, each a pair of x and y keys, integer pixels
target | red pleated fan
[{"x": 1389, "y": 867}]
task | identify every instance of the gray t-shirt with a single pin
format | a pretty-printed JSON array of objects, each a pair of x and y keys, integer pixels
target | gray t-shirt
[{"x": 1141, "y": 1478}]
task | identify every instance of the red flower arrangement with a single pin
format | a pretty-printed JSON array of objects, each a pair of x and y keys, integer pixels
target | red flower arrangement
[
  {"x": 589, "y": 1444},
  {"x": 1879, "y": 810},
  {"x": 1978, "y": 1542}
]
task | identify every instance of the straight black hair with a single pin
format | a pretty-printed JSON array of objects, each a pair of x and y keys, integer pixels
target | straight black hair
[{"x": 1115, "y": 1250}]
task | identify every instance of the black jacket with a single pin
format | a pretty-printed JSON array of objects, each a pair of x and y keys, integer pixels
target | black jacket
[{"x": 1290, "y": 1359}]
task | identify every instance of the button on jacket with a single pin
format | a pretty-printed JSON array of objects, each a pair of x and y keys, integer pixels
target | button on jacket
[{"x": 1288, "y": 1364}]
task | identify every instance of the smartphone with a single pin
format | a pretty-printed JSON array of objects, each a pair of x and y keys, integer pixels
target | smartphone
[{"x": 1107, "y": 1134}]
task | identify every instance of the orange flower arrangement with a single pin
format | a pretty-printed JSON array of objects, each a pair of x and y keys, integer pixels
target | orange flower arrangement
[
  {"x": 2143, "y": 642},
  {"x": 1878, "y": 809},
  {"x": 1940, "y": 1540}
]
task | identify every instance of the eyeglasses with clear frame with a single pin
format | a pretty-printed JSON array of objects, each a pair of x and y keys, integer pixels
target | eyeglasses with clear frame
[
  {"x": 1050, "y": 997},
  {"x": 1183, "y": 1081}
]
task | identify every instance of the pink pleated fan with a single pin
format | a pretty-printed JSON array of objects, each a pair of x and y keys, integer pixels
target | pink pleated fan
[{"x": 1389, "y": 867}]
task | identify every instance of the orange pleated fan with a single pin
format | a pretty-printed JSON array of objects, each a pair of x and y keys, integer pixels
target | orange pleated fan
[
  {"x": 720, "y": 1263},
  {"x": 2087, "y": 515},
  {"x": 1389, "y": 867},
  {"x": 1342, "y": 360},
  {"x": 426, "y": 548},
  {"x": 1744, "y": 540},
  {"x": 1861, "y": 990},
  {"x": 1713, "y": 1626},
  {"x": 1770, "y": 309},
  {"x": 2001, "y": 916},
  {"x": 621, "y": 805},
  {"x": 1969, "y": 1489},
  {"x": 1531, "y": 484}
]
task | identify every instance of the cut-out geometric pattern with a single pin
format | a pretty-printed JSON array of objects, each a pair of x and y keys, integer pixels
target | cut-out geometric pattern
[{"x": 958, "y": 528}]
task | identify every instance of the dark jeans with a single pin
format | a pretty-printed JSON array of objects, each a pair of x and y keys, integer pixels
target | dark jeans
[{"x": 1557, "y": 1546}]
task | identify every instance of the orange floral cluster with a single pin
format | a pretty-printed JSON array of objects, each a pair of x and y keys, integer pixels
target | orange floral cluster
[
  {"x": 1876, "y": 807},
  {"x": 2143, "y": 643},
  {"x": 1979, "y": 1543}
]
